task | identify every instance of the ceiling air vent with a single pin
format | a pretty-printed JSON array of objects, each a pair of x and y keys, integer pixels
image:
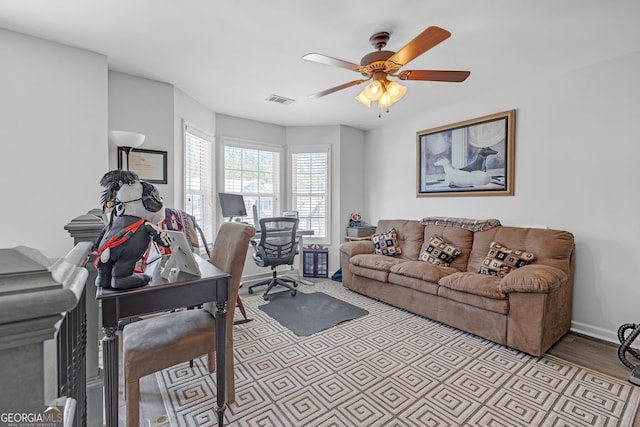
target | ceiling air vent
[{"x": 280, "y": 99}]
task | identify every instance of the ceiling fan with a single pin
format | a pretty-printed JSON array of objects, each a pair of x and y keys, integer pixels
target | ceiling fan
[{"x": 379, "y": 65}]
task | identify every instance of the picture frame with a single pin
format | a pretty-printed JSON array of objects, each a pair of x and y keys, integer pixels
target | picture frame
[
  {"x": 470, "y": 158},
  {"x": 150, "y": 165}
]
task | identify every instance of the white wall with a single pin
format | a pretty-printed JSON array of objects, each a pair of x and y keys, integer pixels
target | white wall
[
  {"x": 350, "y": 177},
  {"x": 145, "y": 106},
  {"x": 53, "y": 134},
  {"x": 576, "y": 169}
]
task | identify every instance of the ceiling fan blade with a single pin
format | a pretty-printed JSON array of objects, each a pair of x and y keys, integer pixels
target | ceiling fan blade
[
  {"x": 327, "y": 60},
  {"x": 434, "y": 75},
  {"x": 419, "y": 45},
  {"x": 337, "y": 88}
]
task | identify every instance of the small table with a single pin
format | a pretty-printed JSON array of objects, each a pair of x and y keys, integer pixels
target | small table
[{"x": 179, "y": 290}]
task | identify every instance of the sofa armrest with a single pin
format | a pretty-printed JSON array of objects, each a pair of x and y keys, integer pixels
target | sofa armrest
[
  {"x": 349, "y": 249},
  {"x": 534, "y": 278},
  {"x": 357, "y": 247}
]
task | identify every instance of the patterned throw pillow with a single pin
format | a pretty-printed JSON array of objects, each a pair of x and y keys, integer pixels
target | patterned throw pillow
[
  {"x": 501, "y": 260},
  {"x": 386, "y": 243},
  {"x": 439, "y": 252}
]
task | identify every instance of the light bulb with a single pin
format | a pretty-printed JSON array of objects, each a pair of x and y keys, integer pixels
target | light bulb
[{"x": 373, "y": 91}]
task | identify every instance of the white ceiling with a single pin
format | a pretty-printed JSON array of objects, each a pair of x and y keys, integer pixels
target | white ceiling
[{"x": 231, "y": 55}]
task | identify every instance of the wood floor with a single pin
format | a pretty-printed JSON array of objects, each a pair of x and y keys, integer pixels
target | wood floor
[
  {"x": 594, "y": 354},
  {"x": 591, "y": 353}
]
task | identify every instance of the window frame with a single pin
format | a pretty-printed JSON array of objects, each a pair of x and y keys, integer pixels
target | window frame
[
  {"x": 279, "y": 195},
  {"x": 308, "y": 148},
  {"x": 209, "y": 221}
]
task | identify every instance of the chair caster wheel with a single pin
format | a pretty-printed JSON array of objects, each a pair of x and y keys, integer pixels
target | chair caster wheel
[
  {"x": 293, "y": 293},
  {"x": 265, "y": 297},
  {"x": 250, "y": 290}
]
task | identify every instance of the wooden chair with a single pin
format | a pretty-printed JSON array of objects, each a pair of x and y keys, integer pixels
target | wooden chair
[{"x": 157, "y": 343}]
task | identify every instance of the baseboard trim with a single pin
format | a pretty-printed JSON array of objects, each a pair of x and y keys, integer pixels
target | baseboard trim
[{"x": 595, "y": 332}]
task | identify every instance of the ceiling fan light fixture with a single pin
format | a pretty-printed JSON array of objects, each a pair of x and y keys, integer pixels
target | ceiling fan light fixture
[
  {"x": 374, "y": 90},
  {"x": 385, "y": 101},
  {"x": 395, "y": 90},
  {"x": 363, "y": 99}
]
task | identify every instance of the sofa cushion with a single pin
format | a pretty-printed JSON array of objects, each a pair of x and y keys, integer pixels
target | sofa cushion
[
  {"x": 373, "y": 266},
  {"x": 375, "y": 261},
  {"x": 551, "y": 247},
  {"x": 410, "y": 235},
  {"x": 439, "y": 252},
  {"x": 500, "y": 260},
  {"x": 413, "y": 283},
  {"x": 452, "y": 316},
  {"x": 460, "y": 238},
  {"x": 474, "y": 283},
  {"x": 386, "y": 243},
  {"x": 421, "y": 270}
]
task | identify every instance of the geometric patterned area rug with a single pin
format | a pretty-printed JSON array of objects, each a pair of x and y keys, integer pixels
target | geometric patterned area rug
[{"x": 391, "y": 368}]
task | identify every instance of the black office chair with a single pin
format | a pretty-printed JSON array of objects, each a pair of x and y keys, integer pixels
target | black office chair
[{"x": 277, "y": 246}]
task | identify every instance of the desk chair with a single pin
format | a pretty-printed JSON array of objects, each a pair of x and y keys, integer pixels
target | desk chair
[
  {"x": 277, "y": 246},
  {"x": 157, "y": 343}
]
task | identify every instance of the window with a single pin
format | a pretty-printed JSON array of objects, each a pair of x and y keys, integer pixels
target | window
[
  {"x": 253, "y": 170},
  {"x": 198, "y": 178},
  {"x": 310, "y": 189}
]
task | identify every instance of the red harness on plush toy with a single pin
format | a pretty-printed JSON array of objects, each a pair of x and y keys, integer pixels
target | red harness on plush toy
[{"x": 118, "y": 239}]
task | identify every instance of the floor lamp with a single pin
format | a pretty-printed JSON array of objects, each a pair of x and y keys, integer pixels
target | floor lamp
[{"x": 126, "y": 140}]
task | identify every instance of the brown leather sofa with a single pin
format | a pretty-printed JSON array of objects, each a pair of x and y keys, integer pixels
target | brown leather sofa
[{"x": 528, "y": 309}]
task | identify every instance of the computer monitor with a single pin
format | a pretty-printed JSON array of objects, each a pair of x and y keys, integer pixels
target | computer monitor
[{"x": 232, "y": 205}]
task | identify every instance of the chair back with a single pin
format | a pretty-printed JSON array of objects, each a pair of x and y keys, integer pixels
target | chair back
[
  {"x": 229, "y": 254},
  {"x": 277, "y": 244}
]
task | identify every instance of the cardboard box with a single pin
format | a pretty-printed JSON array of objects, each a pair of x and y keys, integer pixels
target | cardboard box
[{"x": 362, "y": 231}]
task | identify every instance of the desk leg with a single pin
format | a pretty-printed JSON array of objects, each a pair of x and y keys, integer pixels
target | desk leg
[
  {"x": 110, "y": 364},
  {"x": 221, "y": 366}
]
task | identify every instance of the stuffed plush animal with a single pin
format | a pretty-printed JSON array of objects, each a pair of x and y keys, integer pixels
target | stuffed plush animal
[{"x": 135, "y": 207}]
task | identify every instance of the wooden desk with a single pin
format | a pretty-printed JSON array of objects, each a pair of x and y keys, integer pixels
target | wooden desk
[{"x": 180, "y": 290}]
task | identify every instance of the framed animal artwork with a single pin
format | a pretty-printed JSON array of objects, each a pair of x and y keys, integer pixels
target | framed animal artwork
[{"x": 470, "y": 158}]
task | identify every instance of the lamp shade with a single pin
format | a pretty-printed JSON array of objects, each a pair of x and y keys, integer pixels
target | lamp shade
[
  {"x": 393, "y": 93},
  {"x": 373, "y": 91},
  {"x": 363, "y": 98},
  {"x": 123, "y": 138}
]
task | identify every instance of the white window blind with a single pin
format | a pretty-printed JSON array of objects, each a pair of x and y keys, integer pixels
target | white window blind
[
  {"x": 310, "y": 189},
  {"x": 254, "y": 172},
  {"x": 198, "y": 179}
]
